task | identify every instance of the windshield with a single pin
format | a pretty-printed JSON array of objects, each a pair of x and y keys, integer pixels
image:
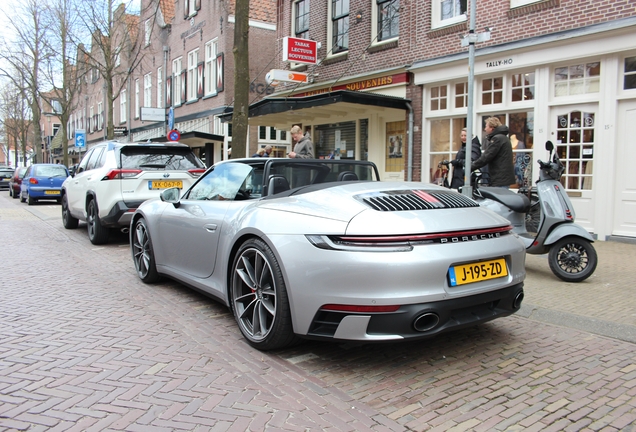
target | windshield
[
  {"x": 159, "y": 158},
  {"x": 231, "y": 181},
  {"x": 50, "y": 171}
]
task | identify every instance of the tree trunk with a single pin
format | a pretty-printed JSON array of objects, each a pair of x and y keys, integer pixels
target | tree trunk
[{"x": 241, "y": 80}]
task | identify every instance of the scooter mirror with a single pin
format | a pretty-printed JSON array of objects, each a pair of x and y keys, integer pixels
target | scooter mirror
[{"x": 549, "y": 146}]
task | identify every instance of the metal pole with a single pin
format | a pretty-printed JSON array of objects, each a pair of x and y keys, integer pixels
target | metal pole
[{"x": 472, "y": 38}]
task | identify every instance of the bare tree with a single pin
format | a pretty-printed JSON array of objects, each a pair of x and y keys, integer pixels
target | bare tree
[
  {"x": 241, "y": 78},
  {"x": 115, "y": 49},
  {"x": 16, "y": 119},
  {"x": 63, "y": 76},
  {"x": 24, "y": 58}
]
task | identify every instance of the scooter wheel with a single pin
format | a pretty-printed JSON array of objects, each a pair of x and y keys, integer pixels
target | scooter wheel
[{"x": 572, "y": 259}]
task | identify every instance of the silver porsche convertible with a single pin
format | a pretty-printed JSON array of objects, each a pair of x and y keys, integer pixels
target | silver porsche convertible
[{"x": 322, "y": 249}]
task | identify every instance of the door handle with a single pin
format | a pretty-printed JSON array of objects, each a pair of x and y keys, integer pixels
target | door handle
[{"x": 210, "y": 227}]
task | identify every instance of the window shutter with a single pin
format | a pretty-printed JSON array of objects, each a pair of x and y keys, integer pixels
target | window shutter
[
  {"x": 168, "y": 92},
  {"x": 200, "y": 80},
  {"x": 186, "y": 8},
  {"x": 219, "y": 72}
]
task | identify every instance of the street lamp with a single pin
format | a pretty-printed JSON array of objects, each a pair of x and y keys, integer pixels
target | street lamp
[{"x": 469, "y": 40}]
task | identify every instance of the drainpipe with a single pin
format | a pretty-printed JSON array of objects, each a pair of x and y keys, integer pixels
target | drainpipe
[{"x": 409, "y": 175}]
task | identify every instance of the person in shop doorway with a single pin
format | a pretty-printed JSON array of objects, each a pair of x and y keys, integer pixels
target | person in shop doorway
[
  {"x": 460, "y": 159},
  {"x": 303, "y": 148},
  {"x": 497, "y": 155},
  {"x": 268, "y": 150}
]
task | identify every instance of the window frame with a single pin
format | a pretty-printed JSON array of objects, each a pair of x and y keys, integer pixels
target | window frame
[
  {"x": 209, "y": 74},
  {"x": 521, "y": 3},
  {"x": 436, "y": 12},
  {"x": 147, "y": 90},
  {"x": 191, "y": 76},
  {"x": 147, "y": 31},
  {"x": 176, "y": 81},
  {"x": 123, "y": 105},
  {"x": 625, "y": 74},
  {"x": 160, "y": 87},
  {"x": 376, "y": 14},
  {"x": 333, "y": 20},
  {"x": 304, "y": 32}
]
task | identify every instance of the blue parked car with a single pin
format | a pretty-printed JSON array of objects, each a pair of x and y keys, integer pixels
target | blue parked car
[{"x": 43, "y": 182}]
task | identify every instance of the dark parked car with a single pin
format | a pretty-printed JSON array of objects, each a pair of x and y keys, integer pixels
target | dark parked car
[
  {"x": 5, "y": 177},
  {"x": 43, "y": 181},
  {"x": 15, "y": 181}
]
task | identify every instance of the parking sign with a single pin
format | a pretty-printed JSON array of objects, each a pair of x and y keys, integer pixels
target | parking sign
[{"x": 80, "y": 138}]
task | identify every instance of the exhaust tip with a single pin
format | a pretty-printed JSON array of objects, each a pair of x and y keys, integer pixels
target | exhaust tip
[
  {"x": 425, "y": 322},
  {"x": 516, "y": 303}
]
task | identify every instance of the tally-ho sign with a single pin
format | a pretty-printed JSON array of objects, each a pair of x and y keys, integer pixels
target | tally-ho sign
[{"x": 300, "y": 50}]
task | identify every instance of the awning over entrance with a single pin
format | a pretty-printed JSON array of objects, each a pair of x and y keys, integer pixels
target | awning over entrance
[
  {"x": 194, "y": 139},
  {"x": 328, "y": 107}
]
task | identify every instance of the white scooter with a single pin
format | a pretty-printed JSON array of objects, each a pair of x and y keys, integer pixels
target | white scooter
[{"x": 570, "y": 253}]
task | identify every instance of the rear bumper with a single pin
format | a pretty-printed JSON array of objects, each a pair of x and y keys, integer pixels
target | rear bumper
[
  {"x": 418, "y": 321},
  {"x": 120, "y": 214}
]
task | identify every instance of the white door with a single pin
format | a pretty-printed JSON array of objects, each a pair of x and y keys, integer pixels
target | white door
[
  {"x": 572, "y": 130},
  {"x": 625, "y": 199}
]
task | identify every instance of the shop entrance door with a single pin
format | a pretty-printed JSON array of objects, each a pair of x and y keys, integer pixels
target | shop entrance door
[
  {"x": 625, "y": 176},
  {"x": 572, "y": 131}
]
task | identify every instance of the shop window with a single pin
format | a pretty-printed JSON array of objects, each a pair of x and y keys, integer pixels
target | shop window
[
  {"x": 461, "y": 95},
  {"x": 339, "y": 25},
  {"x": 492, "y": 91},
  {"x": 301, "y": 19},
  {"x": 262, "y": 132},
  {"x": 575, "y": 147},
  {"x": 439, "y": 98},
  {"x": 577, "y": 79},
  {"x": 335, "y": 141},
  {"x": 388, "y": 19},
  {"x": 448, "y": 12},
  {"x": 521, "y": 134},
  {"x": 522, "y": 87},
  {"x": 444, "y": 142},
  {"x": 395, "y": 146},
  {"x": 630, "y": 73}
]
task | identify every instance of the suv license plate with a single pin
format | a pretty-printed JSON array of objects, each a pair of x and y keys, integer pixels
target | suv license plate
[
  {"x": 477, "y": 272},
  {"x": 164, "y": 184}
]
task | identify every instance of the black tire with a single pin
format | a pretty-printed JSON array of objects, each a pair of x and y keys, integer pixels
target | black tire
[
  {"x": 97, "y": 233},
  {"x": 68, "y": 220},
  {"x": 572, "y": 259},
  {"x": 142, "y": 252},
  {"x": 259, "y": 298},
  {"x": 22, "y": 197},
  {"x": 14, "y": 195},
  {"x": 30, "y": 200}
]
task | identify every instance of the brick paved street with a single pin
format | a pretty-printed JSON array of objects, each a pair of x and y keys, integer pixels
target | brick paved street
[{"x": 85, "y": 346}]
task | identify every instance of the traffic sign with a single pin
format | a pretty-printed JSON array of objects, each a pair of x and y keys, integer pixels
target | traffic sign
[
  {"x": 80, "y": 138},
  {"x": 174, "y": 135}
]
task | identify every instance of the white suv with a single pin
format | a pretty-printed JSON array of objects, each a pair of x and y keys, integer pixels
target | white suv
[{"x": 114, "y": 178}]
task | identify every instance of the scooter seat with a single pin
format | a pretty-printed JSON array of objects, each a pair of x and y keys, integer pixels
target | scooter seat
[{"x": 514, "y": 201}]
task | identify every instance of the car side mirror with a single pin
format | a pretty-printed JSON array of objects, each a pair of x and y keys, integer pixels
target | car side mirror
[{"x": 171, "y": 195}]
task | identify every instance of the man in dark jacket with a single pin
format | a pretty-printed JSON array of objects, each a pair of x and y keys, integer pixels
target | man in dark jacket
[
  {"x": 460, "y": 160},
  {"x": 498, "y": 154}
]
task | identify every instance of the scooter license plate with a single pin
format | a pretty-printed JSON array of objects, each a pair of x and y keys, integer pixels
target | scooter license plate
[{"x": 477, "y": 272}]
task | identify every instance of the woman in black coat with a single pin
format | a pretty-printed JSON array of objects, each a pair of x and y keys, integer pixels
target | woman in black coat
[{"x": 460, "y": 160}]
